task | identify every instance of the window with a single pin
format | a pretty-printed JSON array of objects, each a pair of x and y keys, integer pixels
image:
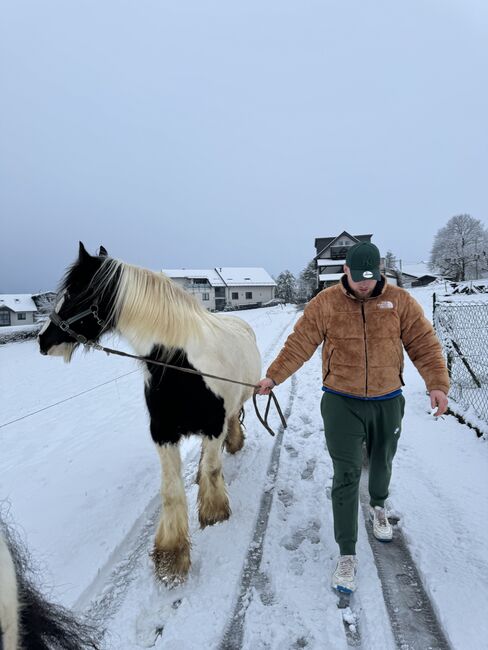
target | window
[
  {"x": 21, "y": 315},
  {"x": 4, "y": 317},
  {"x": 200, "y": 281},
  {"x": 205, "y": 296},
  {"x": 248, "y": 295},
  {"x": 235, "y": 295}
]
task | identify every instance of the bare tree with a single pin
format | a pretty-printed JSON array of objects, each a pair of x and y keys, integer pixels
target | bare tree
[
  {"x": 460, "y": 249},
  {"x": 390, "y": 261}
]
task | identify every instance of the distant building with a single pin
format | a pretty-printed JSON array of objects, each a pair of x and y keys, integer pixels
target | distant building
[
  {"x": 226, "y": 287},
  {"x": 331, "y": 255},
  {"x": 418, "y": 275},
  {"x": 16, "y": 309}
]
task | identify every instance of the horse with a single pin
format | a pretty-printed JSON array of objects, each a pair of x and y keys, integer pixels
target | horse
[
  {"x": 27, "y": 620},
  {"x": 162, "y": 322}
]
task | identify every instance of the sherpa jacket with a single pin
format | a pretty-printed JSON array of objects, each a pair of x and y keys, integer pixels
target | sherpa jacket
[{"x": 363, "y": 342}]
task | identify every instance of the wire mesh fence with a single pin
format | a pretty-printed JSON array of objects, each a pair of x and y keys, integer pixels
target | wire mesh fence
[{"x": 462, "y": 328}]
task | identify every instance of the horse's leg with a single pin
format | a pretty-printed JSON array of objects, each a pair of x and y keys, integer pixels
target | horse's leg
[
  {"x": 171, "y": 552},
  {"x": 213, "y": 502},
  {"x": 235, "y": 436}
]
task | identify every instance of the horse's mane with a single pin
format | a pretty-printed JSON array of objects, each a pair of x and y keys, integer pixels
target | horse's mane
[{"x": 150, "y": 307}]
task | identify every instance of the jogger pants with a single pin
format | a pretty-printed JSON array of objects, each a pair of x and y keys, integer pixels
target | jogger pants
[{"x": 349, "y": 422}]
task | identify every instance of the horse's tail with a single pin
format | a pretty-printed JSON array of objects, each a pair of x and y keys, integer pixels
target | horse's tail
[{"x": 41, "y": 624}]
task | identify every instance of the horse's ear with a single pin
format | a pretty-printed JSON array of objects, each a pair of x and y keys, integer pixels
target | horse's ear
[
  {"x": 83, "y": 253},
  {"x": 102, "y": 251}
]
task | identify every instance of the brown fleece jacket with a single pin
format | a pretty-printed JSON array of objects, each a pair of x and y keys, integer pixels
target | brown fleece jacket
[{"x": 363, "y": 342}]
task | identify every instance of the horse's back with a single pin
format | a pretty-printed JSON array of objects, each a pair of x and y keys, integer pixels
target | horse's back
[{"x": 229, "y": 350}]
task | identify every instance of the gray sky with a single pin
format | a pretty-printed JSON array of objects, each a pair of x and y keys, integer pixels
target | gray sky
[{"x": 201, "y": 133}]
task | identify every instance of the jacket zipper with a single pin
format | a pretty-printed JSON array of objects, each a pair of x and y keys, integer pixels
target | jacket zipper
[{"x": 365, "y": 348}]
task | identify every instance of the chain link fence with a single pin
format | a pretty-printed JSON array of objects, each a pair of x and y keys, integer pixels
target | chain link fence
[{"x": 462, "y": 327}]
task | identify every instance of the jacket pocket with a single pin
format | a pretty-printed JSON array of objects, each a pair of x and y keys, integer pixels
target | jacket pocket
[
  {"x": 327, "y": 371},
  {"x": 400, "y": 365}
]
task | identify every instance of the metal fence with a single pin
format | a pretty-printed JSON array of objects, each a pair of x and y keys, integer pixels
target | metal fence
[{"x": 462, "y": 327}]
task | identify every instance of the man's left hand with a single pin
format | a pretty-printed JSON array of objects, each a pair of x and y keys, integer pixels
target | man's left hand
[{"x": 438, "y": 398}]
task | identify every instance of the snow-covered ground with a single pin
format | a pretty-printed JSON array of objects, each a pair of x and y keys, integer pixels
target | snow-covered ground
[{"x": 81, "y": 480}]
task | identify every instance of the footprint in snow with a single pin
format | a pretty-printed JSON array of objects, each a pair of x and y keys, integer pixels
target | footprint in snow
[
  {"x": 309, "y": 470},
  {"x": 293, "y": 541}
]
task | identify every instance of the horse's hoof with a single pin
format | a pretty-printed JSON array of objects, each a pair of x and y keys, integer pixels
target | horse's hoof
[
  {"x": 233, "y": 446},
  {"x": 214, "y": 517},
  {"x": 171, "y": 566}
]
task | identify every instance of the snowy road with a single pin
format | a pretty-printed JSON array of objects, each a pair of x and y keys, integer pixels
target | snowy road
[{"x": 82, "y": 479}]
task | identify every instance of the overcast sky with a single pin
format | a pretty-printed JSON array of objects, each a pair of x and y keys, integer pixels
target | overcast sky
[{"x": 213, "y": 133}]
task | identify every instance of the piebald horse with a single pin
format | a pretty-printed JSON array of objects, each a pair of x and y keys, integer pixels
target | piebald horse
[
  {"x": 27, "y": 620},
  {"x": 163, "y": 322}
]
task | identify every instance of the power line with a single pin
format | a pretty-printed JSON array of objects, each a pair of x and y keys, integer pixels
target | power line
[{"x": 67, "y": 399}]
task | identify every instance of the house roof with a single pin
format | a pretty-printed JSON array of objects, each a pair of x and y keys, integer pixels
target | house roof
[
  {"x": 17, "y": 302},
  {"x": 209, "y": 274},
  {"x": 235, "y": 276},
  {"x": 326, "y": 242},
  {"x": 418, "y": 270},
  {"x": 231, "y": 276},
  {"x": 328, "y": 277},
  {"x": 329, "y": 262}
]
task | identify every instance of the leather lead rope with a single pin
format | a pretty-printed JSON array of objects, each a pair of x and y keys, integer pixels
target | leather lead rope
[{"x": 65, "y": 326}]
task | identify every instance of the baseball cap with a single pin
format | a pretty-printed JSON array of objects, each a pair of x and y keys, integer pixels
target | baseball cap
[{"x": 363, "y": 259}]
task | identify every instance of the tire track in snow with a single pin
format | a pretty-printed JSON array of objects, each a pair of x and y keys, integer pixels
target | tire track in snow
[
  {"x": 235, "y": 631},
  {"x": 102, "y": 599},
  {"x": 413, "y": 621}
]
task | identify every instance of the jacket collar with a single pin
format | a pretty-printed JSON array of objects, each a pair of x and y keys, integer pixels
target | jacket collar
[{"x": 378, "y": 290}]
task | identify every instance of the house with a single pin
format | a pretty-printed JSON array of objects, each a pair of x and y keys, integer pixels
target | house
[
  {"x": 226, "y": 287},
  {"x": 16, "y": 309},
  {"x": 418, "y": 275},
  {"x": 204, "y": 284},
  {"x": 331, "y": 256},
  {"x": 247, "y": 287}
]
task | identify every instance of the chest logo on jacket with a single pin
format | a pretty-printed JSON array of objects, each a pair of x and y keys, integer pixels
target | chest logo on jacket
[{"x": 385, "y": 305}]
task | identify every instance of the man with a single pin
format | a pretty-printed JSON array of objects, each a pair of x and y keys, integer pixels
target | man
[{"x": 363, "y": 323}]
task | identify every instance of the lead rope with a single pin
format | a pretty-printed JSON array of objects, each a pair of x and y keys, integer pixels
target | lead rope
[{"x": 65, "y": 326}]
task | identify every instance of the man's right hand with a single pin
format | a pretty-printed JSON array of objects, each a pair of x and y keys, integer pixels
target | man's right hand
[{"x": 264, "y": 386}]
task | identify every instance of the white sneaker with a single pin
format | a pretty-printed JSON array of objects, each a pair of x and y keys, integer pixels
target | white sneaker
[
  {"x": 382, "y": 529},
  {"x": 344, "y": 577}
]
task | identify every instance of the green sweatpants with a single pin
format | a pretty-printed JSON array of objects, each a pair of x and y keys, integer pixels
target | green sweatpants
[{"x": 348, "y": 423}]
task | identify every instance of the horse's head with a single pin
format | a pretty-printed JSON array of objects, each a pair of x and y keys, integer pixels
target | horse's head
[{"x": 83, "y": 309}]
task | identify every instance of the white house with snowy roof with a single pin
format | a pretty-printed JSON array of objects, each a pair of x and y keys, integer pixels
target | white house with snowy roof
[
  {"x": 16, "y": 309},
  {"x": 226, "y": 287}
]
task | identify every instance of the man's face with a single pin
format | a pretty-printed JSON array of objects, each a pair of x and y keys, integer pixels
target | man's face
[{"x": 362, "y": 289}]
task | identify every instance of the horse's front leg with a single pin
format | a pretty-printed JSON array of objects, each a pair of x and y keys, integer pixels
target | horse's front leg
[
  {"x": 213, "y": 502},
  {"x": 171, "y": 552}
]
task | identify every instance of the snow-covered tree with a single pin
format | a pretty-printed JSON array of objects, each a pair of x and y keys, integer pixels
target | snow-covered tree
[
  {"x": 307, "y": 282},
  {"x": 286, "y": 286},
  {"x": 460, "y": 249},
  {"x": 390, "y": 261}
]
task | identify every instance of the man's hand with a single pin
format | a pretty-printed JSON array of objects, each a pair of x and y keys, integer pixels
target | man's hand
[
  {"x": 438, "y": 398},
  {"x": 264, "y": 386}
]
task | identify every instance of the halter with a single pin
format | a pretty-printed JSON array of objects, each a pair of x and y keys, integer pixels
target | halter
[{"x": 64, "y": 325}]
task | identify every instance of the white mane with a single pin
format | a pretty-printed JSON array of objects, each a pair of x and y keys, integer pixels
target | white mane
[{"x": 151, "y": 308}]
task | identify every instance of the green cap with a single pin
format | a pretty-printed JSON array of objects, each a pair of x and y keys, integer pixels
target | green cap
[{"x": 363, "y": 259}]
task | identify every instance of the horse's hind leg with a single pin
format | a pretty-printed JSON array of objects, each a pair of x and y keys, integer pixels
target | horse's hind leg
[
  {"x": 171, "y": 552},
  {"x": 213, "y": 502},
  {"x": 234, "y": 441}
]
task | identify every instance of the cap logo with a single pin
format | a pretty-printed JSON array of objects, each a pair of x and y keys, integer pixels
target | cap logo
[{"x": 367, "y": 274}]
